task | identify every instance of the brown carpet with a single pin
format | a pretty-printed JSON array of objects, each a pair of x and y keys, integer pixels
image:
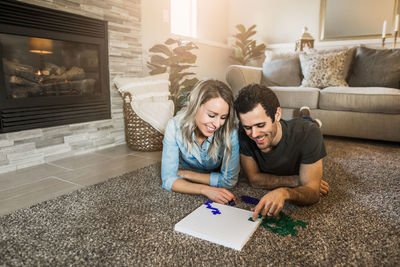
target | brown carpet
[{"x": 129, "y": 220}]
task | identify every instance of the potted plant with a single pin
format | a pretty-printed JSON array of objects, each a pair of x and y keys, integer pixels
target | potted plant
[
  {"x": 175, "y": 58},
  {"x": 246, "y": 49}
]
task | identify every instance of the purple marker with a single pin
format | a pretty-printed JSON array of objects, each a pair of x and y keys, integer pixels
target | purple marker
[{"x": 250, "y": 200}]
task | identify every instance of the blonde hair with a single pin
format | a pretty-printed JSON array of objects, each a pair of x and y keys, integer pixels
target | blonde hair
[{"x": 201, "y": 93}]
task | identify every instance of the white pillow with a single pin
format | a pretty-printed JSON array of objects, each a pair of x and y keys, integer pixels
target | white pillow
[
  {"x": 151, "y": 88},
  {"x": 123, "y": 81},
  {"x": 156, "y": 113}
]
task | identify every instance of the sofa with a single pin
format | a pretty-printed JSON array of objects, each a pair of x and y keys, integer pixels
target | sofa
[{"x": 355, "y": 92}]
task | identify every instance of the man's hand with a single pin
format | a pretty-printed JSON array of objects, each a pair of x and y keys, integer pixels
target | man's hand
[
  {"x": 219, "y": 195},
  {"x": 324, "y": 188},
  {"x": 271, "y": 203}
]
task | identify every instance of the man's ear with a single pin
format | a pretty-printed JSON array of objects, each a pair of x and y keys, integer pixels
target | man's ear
[{"x": 278, "y": 114}]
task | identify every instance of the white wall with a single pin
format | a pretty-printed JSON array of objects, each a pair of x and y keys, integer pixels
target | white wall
[
  {"x": 279, "y": 25},
  {"x": 278, "y": 21},
  {"x": 213, "y": 20},
  {"x": 212, "y": 54}
]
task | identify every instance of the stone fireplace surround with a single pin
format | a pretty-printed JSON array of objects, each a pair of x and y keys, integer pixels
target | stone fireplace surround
[
  {"x": 53, "y": 68},
  {"x": 32, "y": 147}
]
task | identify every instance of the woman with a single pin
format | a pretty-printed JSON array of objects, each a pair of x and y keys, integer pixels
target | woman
[{"x": 200, "y": 147}]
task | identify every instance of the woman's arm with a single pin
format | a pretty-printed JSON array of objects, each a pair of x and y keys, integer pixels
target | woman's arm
[
  {"x": 170, "y": 157},
  {"x": 197, "y": 177},
  {"x": 219, "y": 195}
]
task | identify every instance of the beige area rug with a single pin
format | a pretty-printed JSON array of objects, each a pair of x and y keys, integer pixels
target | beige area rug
[{"x": 129, "y": 220}]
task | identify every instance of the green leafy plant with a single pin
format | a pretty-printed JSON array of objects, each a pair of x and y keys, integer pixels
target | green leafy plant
[
  {"x": 175, "y": 58},
  {"x": 246, "y": 49}
]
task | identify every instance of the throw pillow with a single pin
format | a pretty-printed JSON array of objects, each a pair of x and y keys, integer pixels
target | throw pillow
[
  {"x": 323, "y": 70},
  {"x": 350, "y": 52},
  {"x": 281, "y": 69},
  {"x": 149, "y": 88},
  {"x": 376, "y": 68}
]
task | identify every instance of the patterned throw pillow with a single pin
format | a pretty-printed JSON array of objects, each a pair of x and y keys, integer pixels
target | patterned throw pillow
[
  {"x": 349, "y": 56},
  {"x": 323, "y": 70}
]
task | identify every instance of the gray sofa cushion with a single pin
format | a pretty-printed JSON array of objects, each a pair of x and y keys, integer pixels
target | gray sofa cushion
[
  {"x": 281, "y": 69},
  {"x": 296, "y": 97},
  {"x": 372, "y": 67},
  {"x": 281, "y": 72},
  {"x": 360, "y": 99}
]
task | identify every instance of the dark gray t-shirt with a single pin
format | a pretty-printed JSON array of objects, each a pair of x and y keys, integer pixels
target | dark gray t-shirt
[{"x": 301, "y": 142}]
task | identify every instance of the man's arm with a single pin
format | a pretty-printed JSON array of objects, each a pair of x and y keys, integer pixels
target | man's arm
[
  {"x": 309, "y": 190},
  {"x": 258, "y": 179},
  {"x": 306, "y": 193}
]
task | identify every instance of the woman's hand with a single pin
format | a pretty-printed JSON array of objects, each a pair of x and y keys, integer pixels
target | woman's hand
[{"x": 219, "y": 195}]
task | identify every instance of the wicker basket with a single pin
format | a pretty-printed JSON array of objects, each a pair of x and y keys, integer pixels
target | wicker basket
[{"x": 139, "y": 134}]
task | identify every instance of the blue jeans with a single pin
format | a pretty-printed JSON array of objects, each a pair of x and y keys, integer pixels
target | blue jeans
[{"x": 306, "y": 118}]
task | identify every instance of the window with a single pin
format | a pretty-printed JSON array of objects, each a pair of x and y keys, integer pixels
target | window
[{"x": 184, "y": 17}]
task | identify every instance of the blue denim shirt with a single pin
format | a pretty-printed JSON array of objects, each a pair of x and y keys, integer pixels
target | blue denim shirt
[{"x": 175, "y": 153}]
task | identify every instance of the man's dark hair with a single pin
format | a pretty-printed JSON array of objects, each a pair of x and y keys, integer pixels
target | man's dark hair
[{"x": 252, "y": 95}]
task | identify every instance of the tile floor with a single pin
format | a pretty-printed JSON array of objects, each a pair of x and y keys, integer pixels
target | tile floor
[{"x": 25, "y": 187}]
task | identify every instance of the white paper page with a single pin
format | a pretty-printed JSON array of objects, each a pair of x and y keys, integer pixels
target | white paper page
[{"x": 231, "y": 228}]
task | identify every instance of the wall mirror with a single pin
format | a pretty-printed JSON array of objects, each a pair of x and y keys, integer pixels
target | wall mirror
[{"x": 356, "y": 19}]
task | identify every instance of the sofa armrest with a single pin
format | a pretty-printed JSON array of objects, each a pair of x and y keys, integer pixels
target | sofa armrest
[{"x": 239, "y": 76}]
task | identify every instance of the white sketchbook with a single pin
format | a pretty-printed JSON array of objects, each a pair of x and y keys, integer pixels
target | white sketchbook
[{"x": 221, "y": 224}]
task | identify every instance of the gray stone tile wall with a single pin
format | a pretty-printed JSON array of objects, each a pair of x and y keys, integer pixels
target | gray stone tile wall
[{"x": 28, "y": 148}]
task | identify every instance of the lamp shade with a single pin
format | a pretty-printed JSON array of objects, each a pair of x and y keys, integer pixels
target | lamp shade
[{"x": 40, "y": 45}]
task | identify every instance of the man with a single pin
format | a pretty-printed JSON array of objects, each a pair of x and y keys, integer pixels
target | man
[{"x": 283, "y": 156}]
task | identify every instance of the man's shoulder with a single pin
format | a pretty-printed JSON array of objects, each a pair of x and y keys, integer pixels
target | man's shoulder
[
  {"x": 300, "y": 128},
  {"x": 298, "y": 123},
  {"x": 307, "y": 137}
]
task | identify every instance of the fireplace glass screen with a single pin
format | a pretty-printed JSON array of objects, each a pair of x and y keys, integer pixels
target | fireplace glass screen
[{"x": 36, "y": 67}]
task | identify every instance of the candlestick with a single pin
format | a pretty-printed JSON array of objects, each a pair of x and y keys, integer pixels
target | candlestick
[
  {"x": 396, "y": 23},
  {"x": 395, "y": 39},
  {"x": 383, "y": 41},
  {"x": 384, "y": 29}
]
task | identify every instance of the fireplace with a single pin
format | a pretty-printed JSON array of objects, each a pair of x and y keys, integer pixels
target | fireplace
[{"x": 53, "y": 68}]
